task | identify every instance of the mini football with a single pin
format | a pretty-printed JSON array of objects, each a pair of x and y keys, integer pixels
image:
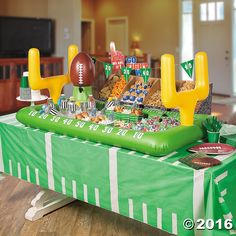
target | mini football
[
  {"x": 213, "y": 148},
  {"x": 82, "y": 70}
]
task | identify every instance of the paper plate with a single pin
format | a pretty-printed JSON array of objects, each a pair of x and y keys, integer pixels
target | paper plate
[
  {"x": 206, "y": 161},
  {"x": 213, "y": 148}
]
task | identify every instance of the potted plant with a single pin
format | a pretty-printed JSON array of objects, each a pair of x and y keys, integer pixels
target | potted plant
[{"x": 213, "y": 126}]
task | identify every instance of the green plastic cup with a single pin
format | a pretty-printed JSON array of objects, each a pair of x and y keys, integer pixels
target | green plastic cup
[
  {"x": 24, "y": 83},
  {"x": 213, "y": 137}
]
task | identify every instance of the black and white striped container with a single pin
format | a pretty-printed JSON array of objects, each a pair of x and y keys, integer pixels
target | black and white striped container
[
  {"x": 63, "y": 104},
  {"x": 51, "y": 103},
  {"x": 53, "y": 111},
  {"x": 72, "y": 107}
]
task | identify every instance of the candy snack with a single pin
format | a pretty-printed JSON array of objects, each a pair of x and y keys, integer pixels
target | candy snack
[
  {"x": 138, "y": 91},
  {"x": 118, "y": 87},
  {"x": 154, "y": 124}
]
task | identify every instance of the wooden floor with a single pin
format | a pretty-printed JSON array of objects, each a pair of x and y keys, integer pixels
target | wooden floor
[
  {"x": 77, "y": 218},
  {"x": 226, "y": 113}
]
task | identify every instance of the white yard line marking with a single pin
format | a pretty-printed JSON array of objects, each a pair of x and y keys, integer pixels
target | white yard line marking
[
  {"x": 198, "y": 195},
  {"x": 145, "y": 156},
  {"x": 174, "y": 224},
  {"x": 1, "y": 157},
  {"x": 131, "y": 208},
  {"x": 86, "y": 141},
  {"x": 74, "y": 187},
  {"x": 220, "y": 177},
  {"x": 113, "y": 178},
  {"x": 97, "y": 200},
  {"x": 73, "y": 139},
  {"x": 28, "y": 173},
  {"x": 85, "y": 192},
  {"x": 63, "y": 185},
  {"x": 167, "y": 156},
  {"x": 10, "y": 167},
  {"x": 228, "y": 216},
  {"x": 232, "y": 232},
  {"x": 131, "y": 152},
  {"x": 159, "y": 218},
  {"x": 37, "y": 176},
  {"x": 35, "y": 130},
  {"x": 176, "y": 163},
  {"x": 221, "y": 200},
  {"x": 144, "y": 207},
  {"x": 223, "y": 193},
  {"x": 62, "y": 136},
  {"x": 48, "y": 147},
  {"x": 19, "y": 170},
  {"x": 97, "y": 144}
]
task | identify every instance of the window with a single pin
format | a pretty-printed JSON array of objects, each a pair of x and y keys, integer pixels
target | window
[{"x": 212, "y": 11}]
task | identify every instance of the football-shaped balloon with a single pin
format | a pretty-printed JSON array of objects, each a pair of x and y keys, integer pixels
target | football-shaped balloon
[{"x": 82, "y": 70}]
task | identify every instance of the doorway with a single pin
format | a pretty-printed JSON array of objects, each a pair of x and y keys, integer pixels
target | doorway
[
  {"x": 87, "y": 36},
  {"x": 213, "y": 34},
  {"x": 117, "y": 31}
]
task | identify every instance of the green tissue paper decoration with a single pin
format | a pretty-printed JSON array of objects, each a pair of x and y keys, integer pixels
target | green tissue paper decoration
[{"x": 212, "y": 124}]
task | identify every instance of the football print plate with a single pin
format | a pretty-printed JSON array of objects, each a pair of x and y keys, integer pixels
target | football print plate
[
  {"x": 206, "y": 162},
  {"x": 213, "y": 148}
]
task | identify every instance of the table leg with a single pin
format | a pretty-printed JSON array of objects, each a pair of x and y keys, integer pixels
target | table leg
[{"x": 45, "y": 202}]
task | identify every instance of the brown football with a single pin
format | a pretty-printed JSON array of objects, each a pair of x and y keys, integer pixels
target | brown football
[{"x": 82, "y": 70}]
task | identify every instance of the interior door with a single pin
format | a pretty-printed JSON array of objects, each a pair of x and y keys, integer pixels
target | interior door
[
  {"x": 212, "y": 26},
  {"x": 86, "y": 36},
  {"x": 117, "y": 31}
]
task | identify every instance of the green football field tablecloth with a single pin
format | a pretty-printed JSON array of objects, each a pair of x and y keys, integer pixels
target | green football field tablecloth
[{"x": 159, "y": 191}]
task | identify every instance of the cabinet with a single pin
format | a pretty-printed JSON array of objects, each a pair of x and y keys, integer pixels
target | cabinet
[{"x": 11, "y": 70}]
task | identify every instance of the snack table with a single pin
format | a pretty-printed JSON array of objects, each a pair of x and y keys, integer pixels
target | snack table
[{"x": 159, "y": 191}]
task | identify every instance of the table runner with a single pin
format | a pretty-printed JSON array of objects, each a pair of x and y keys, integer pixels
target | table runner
[{"x": 161, "y": 192}]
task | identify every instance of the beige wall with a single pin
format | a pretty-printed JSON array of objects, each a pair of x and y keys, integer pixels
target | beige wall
[
  {"x": 68, "y": 28},
  {"x": 88, "y": 9},
  {"x": 27, "y": 8},
  {"x": 156, "y": 22}
]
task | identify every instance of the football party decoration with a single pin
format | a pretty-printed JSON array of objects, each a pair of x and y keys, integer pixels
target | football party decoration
[
  {"x": 126, "y": 72},
  {"x": 117, "y": 58},
  {"x": 108, "y": 69},
  {"x": 188, "y": 67},
  {"x": 145, "y": 73}
]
